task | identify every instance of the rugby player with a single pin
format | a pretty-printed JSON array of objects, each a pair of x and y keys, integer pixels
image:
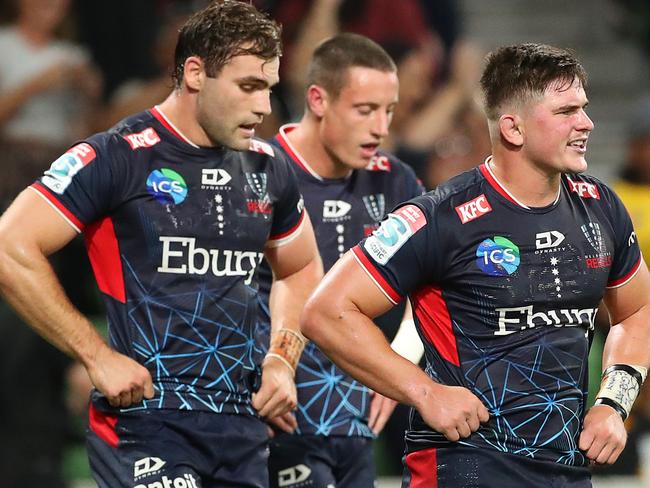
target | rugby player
[
  {"x": 178, "y": 205},
  {"x": 348, "y": 186},
  {"x": 505, "y": 267}
]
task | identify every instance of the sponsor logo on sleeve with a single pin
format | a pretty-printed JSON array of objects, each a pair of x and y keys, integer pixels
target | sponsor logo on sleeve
[
  {"x": 393, "y": 233},
  {"x": 473, "y": 209},
  {"x": 379, "y": 163},
  {"x": 61, "y": 172},
  {"x": 584, "y": 189},
  {"x": 167, "y": 186},
  {"x": 147, "y": 138},
  {"x": 498, "y": 256}
]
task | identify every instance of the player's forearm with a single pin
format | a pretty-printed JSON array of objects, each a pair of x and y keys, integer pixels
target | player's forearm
[
  {"x": 357, "y": 345},
  {"x": 289, "y": 295},
  {"x": 629, "y": 341},
  {"x": 30, "y": 286}
]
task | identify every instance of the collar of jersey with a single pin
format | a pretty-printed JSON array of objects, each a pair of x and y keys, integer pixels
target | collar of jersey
[
  {"x": 292, "y": 151},
  {"x": 494, "y": 182}
]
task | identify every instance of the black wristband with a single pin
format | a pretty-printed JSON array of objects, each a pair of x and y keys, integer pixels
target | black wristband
[{"x": 611, "y": 403}]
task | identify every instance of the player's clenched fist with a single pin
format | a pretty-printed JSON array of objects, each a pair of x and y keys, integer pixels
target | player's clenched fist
[
  {"x": 603, "y": 435},
  {"x": 453, "y": 411},
  {"x": 277, "y": 395},
  {"x": 122, "y": 380}
]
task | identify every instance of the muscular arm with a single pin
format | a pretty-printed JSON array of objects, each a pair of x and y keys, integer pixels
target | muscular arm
[
  {"x": 628, "y": 342},
  {"x": 338, "y": 318},
  {"x": 30, "y": 230},
  {"x": 297, "y": 269}
]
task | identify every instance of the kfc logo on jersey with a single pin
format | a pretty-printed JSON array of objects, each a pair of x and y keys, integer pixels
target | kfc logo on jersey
[
  {"x": 547, "y": 240},
  {"x": 379, "y": 163},
  {"x": 584, "y": 189},
  {"x": 393, "y": 233},
  {"x": 211, "y": 178},
  {"x": 60, "y": 174},
  {"x": 147, "y": 466},
  {"x": 147, "y": 138},
  {"x": 473, "y": 209},
  {"x": 261, "y": 147},
  {"x": 335, "y": 210}
]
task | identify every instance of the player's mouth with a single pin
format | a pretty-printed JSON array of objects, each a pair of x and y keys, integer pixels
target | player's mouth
[
  {"x": 369, "y": 150},
  {"x": 579, "y": 145},
  {"x": 249, "y": 129}
]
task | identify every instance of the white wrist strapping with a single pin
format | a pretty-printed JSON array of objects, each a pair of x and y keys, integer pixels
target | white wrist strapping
[
  {"x": 407, "y": 342},
  {"x": 620, "y": 386}
]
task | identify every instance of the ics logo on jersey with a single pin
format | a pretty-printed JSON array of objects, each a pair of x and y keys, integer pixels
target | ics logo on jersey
[
  {"x": 167, "y": 186},
  {"x": 498, "y": 256}
]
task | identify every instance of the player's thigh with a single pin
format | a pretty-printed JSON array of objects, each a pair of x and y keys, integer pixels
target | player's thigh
[
  {"x": 355, "y": 467},
  {"x": 466, "y": 467},
  {"x": 304, "y": 461}
]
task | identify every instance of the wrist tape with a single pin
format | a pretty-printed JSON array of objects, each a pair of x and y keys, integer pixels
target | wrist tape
[
  {"x": 287, "y": 346},
  {"x": 620, "y": 386}
]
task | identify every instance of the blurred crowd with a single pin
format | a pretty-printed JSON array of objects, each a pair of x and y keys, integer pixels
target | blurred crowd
[{"x": 71, "y": 68}]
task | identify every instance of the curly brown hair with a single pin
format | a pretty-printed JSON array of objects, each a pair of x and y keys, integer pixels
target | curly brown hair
[
  {"x": 524, "y": 71},
  {"x": 223, "y": 30}
]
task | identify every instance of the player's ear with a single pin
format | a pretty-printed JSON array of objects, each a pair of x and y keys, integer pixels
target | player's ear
[
  {"x": 511, "y": 129},
  {"x": 194, "y": 73},
  {"x": 317, "y": 100}
]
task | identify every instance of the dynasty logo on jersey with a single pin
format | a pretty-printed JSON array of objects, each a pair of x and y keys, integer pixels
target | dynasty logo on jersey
[{"x": 394, "y": 232}]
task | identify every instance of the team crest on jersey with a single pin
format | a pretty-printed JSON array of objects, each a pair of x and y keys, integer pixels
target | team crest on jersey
[
  {"x": 260, "y": 201},
  {"x": 375, "y": 206},
  {"x": 394, "y": 232},
  {"x": 584, "y": 189},
  {"x": 601, "y": 257},
  {"x": 61, "y": 172},
  {"x": 379, "y": 163}
]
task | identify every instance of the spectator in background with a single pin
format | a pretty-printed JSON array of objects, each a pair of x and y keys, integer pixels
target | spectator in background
[
  {"x": 47, "y": 91},
  {"x": 47, "y": 86}
]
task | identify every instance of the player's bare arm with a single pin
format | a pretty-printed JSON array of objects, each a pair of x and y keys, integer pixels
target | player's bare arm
[
  {"x": 31, "y": 230},
  {"x": 338, "y": 318},
  {"x": 297, "y": 269},
  {"x": 625, "y": 360}
]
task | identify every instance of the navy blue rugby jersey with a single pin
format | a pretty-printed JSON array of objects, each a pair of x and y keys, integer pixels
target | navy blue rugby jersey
[
  {"x": 343, "y": 211},
  {"x": 175, "y": 233},
  {"x": 504, "y": 298}
]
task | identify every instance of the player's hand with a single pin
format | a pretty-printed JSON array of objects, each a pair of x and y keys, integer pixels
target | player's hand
[
  {"x": 277, "y": 394},
  {"x": 285, "y": 422},
  {"x": 453, "y": 411},
  {"x": 381, "y": 408},
  {"x": 603, "y": 435},
  {"x": 122, "y": 380}
]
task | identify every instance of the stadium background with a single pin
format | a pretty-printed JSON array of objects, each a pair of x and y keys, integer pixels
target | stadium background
[{"x": 438, "y": 45}]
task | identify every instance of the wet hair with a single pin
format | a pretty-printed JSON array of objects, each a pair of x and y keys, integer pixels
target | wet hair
[
  {"x": 223, "y": 30},
  {"x": 335, "y": 56},
  {"x": 523, "y": 72}
]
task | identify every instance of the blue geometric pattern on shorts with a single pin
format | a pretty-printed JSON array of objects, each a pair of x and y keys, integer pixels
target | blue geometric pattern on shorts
[{"x": 196, "y": 353}]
